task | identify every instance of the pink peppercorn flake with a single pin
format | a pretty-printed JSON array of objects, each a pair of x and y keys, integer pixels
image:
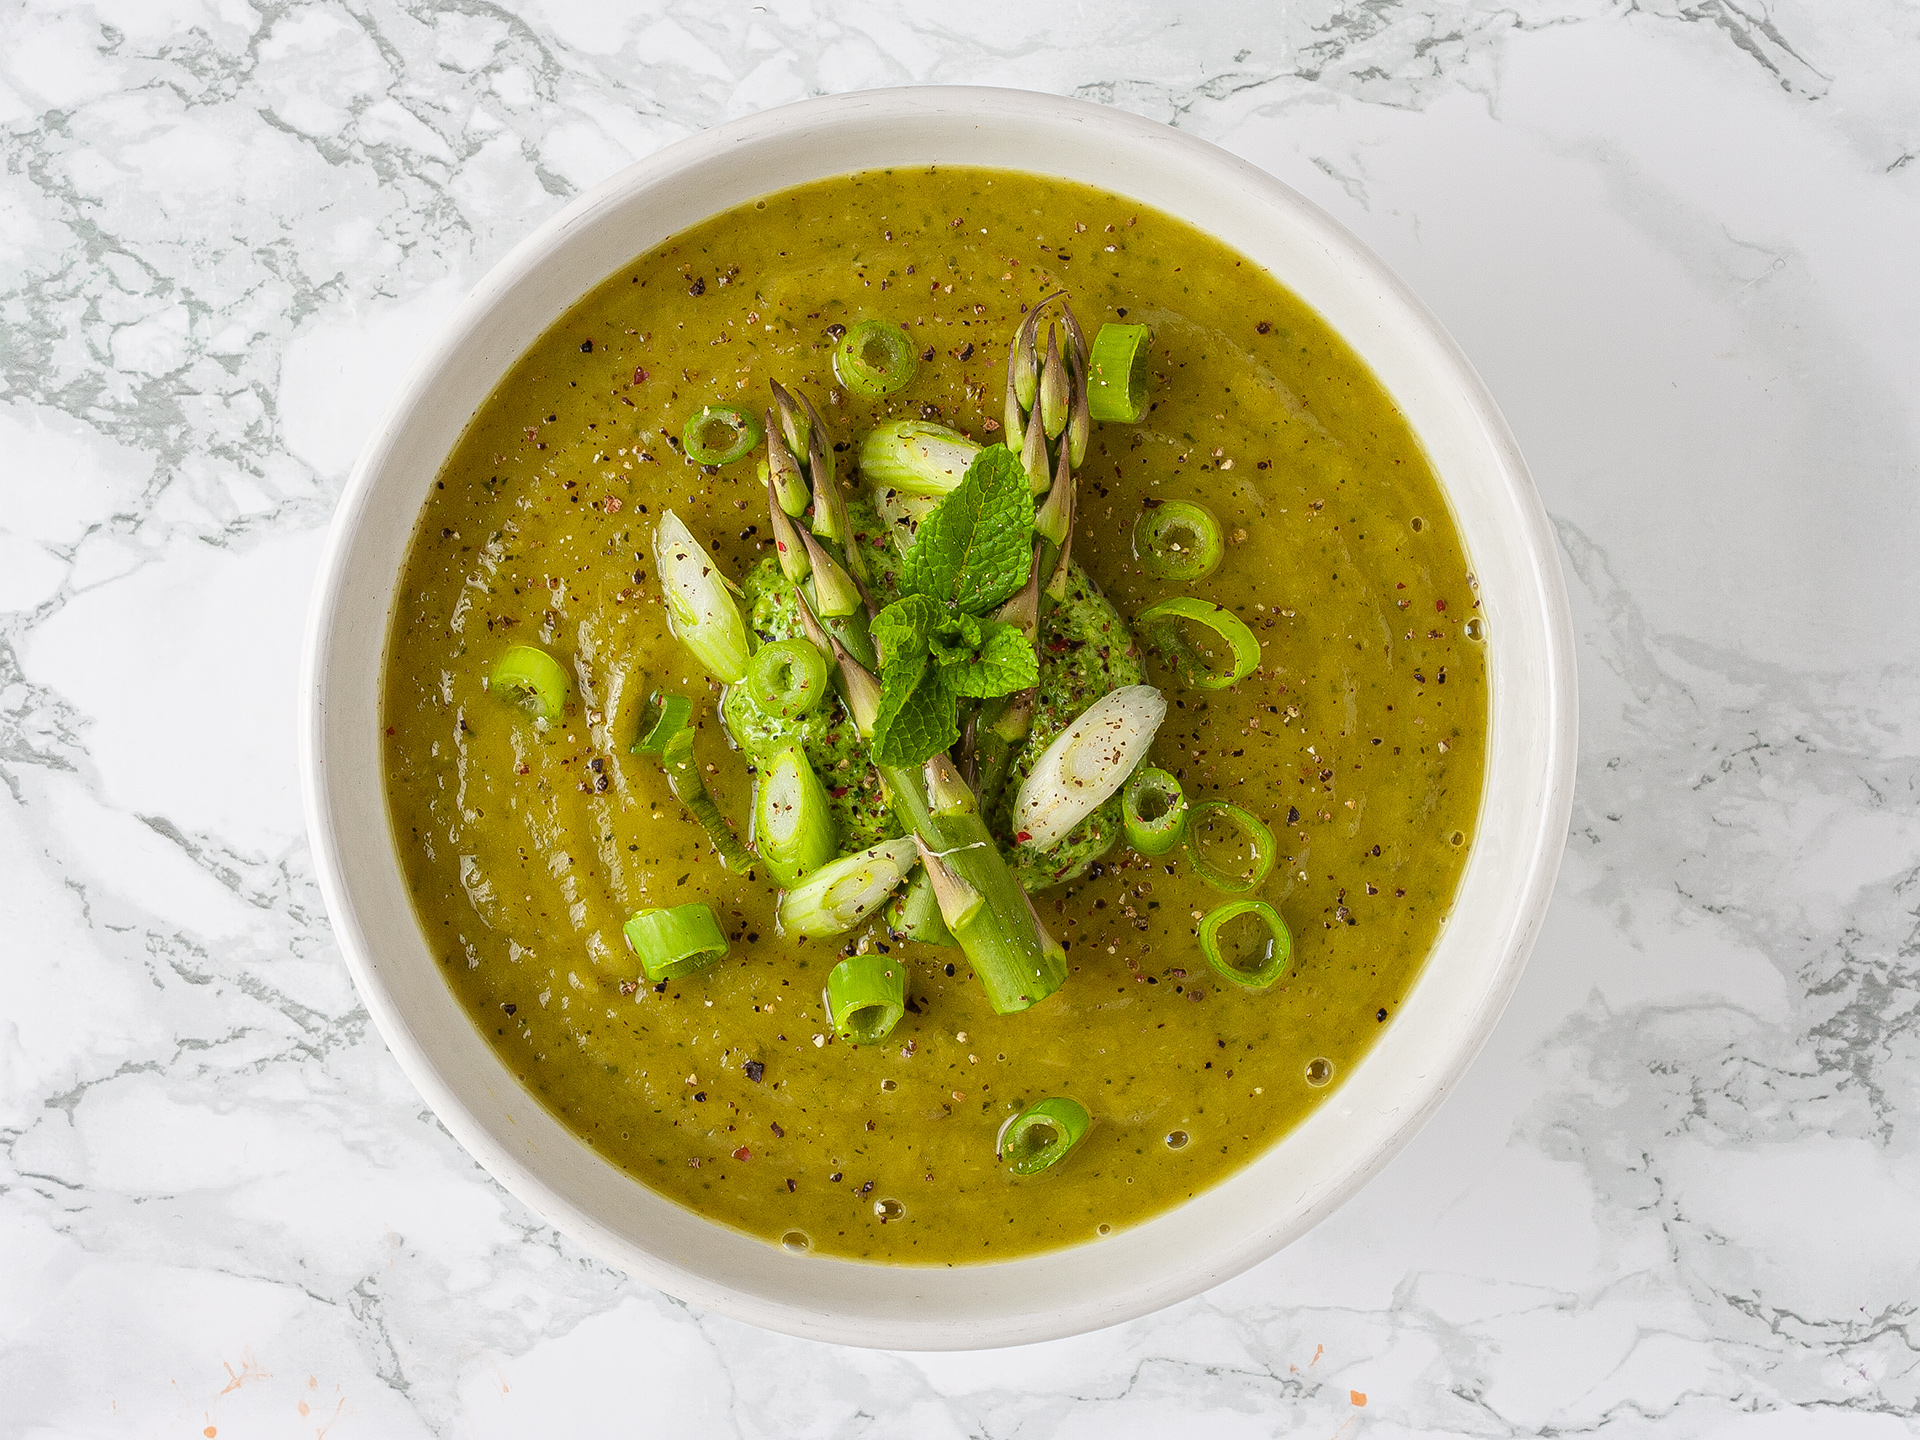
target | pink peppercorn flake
[
  {"x": 639, "y": 376},
  {"x": 743, "y": 1153}
]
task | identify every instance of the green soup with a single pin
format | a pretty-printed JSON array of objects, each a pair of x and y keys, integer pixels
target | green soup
[{"x": 1360, "y": 741}]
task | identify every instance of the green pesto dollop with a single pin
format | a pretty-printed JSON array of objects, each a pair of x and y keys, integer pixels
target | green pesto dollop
[
  {"x": 1086, "y": 651},
  {"x": 828, "y": 735}
]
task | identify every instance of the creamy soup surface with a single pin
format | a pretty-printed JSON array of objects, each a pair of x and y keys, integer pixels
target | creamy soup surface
[{"x": 1359, "y": 741}]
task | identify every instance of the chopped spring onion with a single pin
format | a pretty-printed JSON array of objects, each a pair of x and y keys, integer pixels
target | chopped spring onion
[
  {"x": 914, "y": 914},
  {"x": 1178, "y": 540},
  {"x": 793, "y": 826},
  {"x": 866, "y": 996},
  {"x": 663, "y": 717},
  {"x": 873, "y": 359},
  {"x": 1041, "y": 1135},
  {"x": 529, "y": 676},
  {"x": 1160, "y": 625},
  {"x": 1154, "y": 808},
  {"x": 1255, "y": 965},
  {"x": 915, "y": 457},
  {"x": 842, "y": 893},
  {"x": 1086, "y": 763},
  {"x": 1117, "y": 378},
  {"x": 664, "y": 731},
  {"x": 787, "y": 679},
  {"x": 676, "y": 942},
  {"x": 700, "y": 608},
  {"x": 903, "y": 514},
  {"x": 719, "y": 435},
  {"x": 1213, "y": 827}
]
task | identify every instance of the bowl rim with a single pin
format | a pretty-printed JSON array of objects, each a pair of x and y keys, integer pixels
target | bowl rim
[{"x": 1541, "y": 849}]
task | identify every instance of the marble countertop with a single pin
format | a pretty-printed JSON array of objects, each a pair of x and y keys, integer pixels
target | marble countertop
[{"x": 1677, "y": 1196}]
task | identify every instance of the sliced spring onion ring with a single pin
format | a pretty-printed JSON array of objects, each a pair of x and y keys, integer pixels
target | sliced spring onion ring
[
  {"x": 740, "y": 427},
  {"x": 914, "y": 914},
  {"x": 1159, "y": 624},
  {"x": 700, "y": 608},
  {"x": 874, "y": 358},
  {"x": 1040, "y": 1136},
  {"x": 1178, "y": 540},
  {"x": 787, "y": 678},
  {"x": 842, "y": 893},
  {"x": 1117, "y": 373},
  {"x": 529, "y": 676},
  {"x": 1154, "y": 808},
  {"x": 1274, "y": 954},
  {"x": 866, "y": 996},
  {"x": 793, "y": 826},
  {"x": 665, "y": 731},
  {"x": 1256, "y": 836},
  {"x": 915, "y": 457},
  {"x": 1086, "y": 763},
  {"x": 676, "y": 942}
]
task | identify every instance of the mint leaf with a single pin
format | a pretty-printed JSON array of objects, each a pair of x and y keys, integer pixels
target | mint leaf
[
  {"x": 1003, "y": 664},
  {"x": 955, "y": 639},
  {"x": 918, "y": 715},
  {"x": 901, "y": 631},
  {"x": 975, "y": 549}
]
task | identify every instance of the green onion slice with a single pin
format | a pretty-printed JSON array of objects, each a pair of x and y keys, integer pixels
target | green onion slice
[
  {"x": 661, "y": 718},
  {"x": 1160, "y": 624},
  {"x": 915, "y": 457},
  {"x": 787, "y": 679},
  {"x": 676, "y": 942},
  {"x": 665, "y": 731},
  {"x": 1041, "y": 1135},
  {"x": 1154, "y": 808},
  {"x": 719, "y": 435},
  {"x": 866, "y": 996},
  {"x": 1205, "y": 840},
  {"x": 793, "y": 826},
  {"x": 1117, "y": 373},
  {"x": 1088, "y": 761},
  {"x": 1178, "y": 540},
  {"x": 529, "y": 676},
  {"x": 701, "y": 610},
  {"x": 843, "y": 892},
  {"x": 874, "y": 358},
  {"x": 1270, "y": 954}
]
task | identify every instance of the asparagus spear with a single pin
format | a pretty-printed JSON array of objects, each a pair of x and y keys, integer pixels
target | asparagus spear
[
  {"x": 1047, "y": 408},
  {"x": 983, "y": 904}
]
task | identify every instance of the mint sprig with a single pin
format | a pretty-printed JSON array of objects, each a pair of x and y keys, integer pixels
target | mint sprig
[
  {"x": 975, "y": 549},
  {"x": 936, "y": 645}
]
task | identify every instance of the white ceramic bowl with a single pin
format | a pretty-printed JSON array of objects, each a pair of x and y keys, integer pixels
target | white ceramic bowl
[{"x": 1424, "y": 1049}]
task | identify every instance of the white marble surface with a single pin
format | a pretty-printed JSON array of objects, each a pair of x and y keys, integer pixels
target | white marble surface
[{"x": 1680, "y": 1193}]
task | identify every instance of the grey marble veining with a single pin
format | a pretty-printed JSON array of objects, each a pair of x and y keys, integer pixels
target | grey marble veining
[{"x": 1678, "y": 1196}]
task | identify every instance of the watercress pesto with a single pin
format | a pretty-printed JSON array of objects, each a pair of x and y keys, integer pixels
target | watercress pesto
[{"x": 562, "y": 877}]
